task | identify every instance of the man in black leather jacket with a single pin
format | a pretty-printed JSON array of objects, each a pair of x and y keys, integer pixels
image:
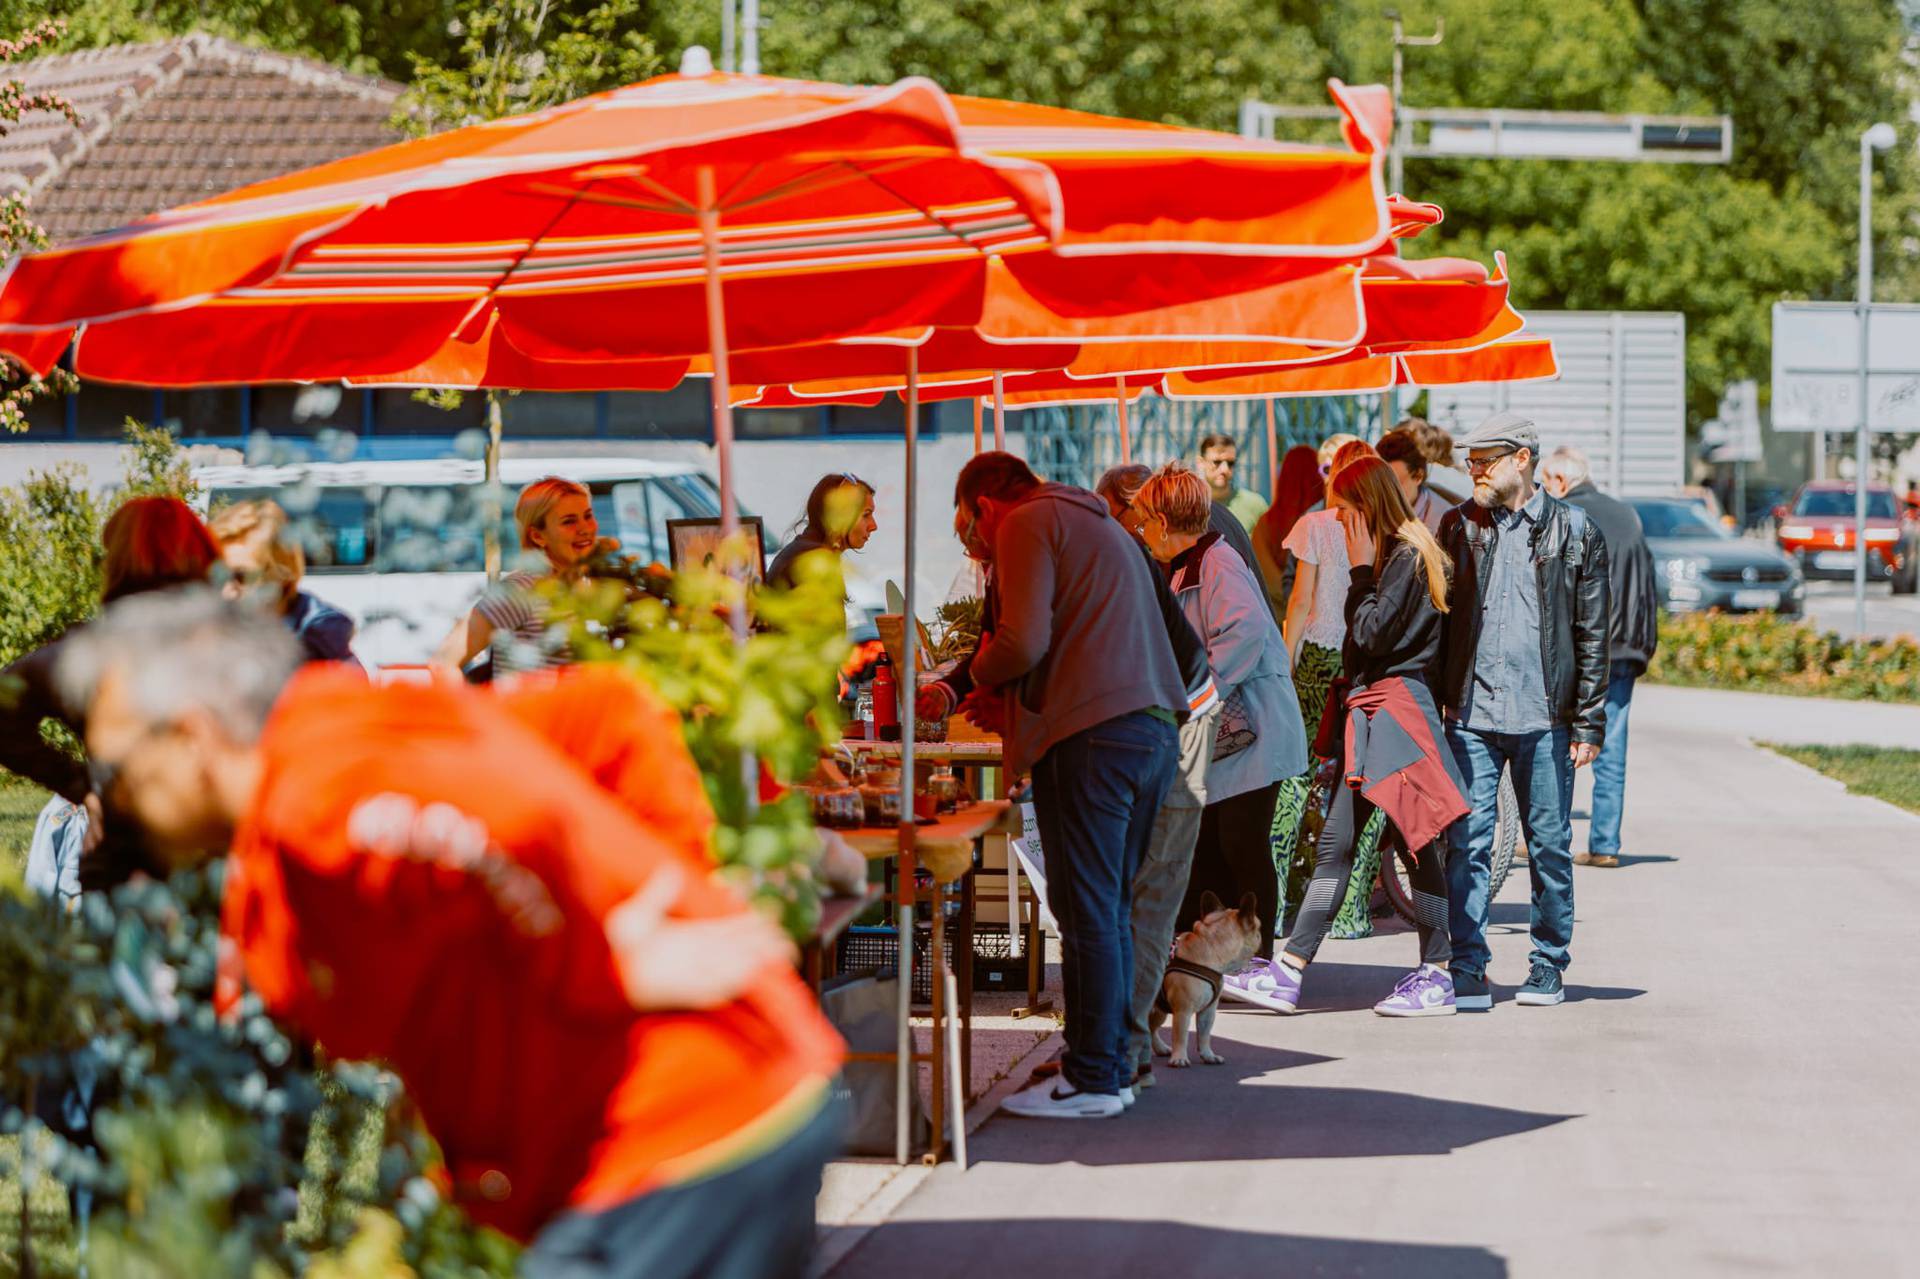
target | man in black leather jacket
[{"x": 1523, "y": 678}]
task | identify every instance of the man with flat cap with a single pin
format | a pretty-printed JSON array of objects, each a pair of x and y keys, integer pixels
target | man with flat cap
[{"x": 1524, "y": 683}]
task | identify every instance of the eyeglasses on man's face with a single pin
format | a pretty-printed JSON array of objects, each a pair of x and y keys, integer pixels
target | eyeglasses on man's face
[{"x": 1481, "y": 465}]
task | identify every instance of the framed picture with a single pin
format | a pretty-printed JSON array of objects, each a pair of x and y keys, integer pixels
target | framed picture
[{"x": 691, "y": 542}]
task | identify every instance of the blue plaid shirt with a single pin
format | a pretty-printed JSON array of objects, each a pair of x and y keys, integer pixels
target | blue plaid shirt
[{"x": 1509, "y": 689}]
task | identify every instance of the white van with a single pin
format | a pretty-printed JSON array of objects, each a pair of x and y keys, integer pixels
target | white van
[{"x": 400, "y": 546}]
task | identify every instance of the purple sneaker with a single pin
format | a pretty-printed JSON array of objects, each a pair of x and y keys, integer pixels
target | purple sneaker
[
  {"x": 1267, "y": 983},
  {"x": 1425, "y": 992}
]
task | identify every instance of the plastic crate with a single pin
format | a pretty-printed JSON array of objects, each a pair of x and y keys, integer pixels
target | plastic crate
[{"x": 878, "y": 949}]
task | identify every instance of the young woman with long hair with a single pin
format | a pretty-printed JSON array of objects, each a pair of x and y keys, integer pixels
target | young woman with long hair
[
  {"x": 1299, "y": 490},
  {"x": 1393, "y": 614},
  {"x": 267, "y": 563},
  {"x": 1315, "y": 629},
  {"x": 838, "y": 519}
]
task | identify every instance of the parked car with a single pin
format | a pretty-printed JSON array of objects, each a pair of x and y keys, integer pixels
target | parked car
[
  {"x": 1698, "y": 564},
  {"x": 1906, "y": 563},
  {"x": 1816, "y": 529},
  {"x": 400, "y": 546}
]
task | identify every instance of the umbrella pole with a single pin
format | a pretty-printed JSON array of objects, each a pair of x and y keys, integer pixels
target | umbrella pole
[
  {"x": 717, "y": 346},
  {"x": 491, "y": 481},
  {"x": 999, "y": 413},
  {"x": 1120, "y": 404},
  {"x": 905, "y": 1075},
  {"x": 1273, "y": 454},
  {"x": 978, "y": 412}
]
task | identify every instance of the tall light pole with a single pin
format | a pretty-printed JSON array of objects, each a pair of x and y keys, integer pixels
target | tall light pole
[
  {"x": 1880, "y": 137},
  {"x": 750, "y": 37},
  {"x": 1396, "y": 178}
]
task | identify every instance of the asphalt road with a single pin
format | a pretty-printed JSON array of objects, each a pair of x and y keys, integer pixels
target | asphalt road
[
  {"x": 1727, "y": 1091},
  {"x": 1830, "y": 607}
]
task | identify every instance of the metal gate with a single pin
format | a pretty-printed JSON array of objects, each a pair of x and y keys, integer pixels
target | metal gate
[{"x": 1076, "y": 445}]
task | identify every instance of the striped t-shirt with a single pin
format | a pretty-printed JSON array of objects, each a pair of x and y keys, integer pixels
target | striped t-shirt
[{"x": 524, "y": 638}]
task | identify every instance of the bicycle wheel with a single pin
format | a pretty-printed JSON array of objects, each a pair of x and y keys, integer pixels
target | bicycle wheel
[
  {"x": 1506, "y": 842},
  {"x": 1506, "y": 834}
]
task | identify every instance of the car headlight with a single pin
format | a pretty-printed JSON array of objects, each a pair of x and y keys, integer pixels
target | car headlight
[
  {"x": 1796, "y": 532},
  {"x": 1680, "y": 569}
]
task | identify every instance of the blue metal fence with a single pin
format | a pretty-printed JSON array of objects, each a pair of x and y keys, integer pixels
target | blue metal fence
[{"x": 1075, "y": 445}]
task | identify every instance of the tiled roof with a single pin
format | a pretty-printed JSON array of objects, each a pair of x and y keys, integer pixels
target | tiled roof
[{"x": 168, "y": 123}]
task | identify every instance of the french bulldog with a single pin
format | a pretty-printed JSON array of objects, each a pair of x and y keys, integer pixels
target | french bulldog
[{"x": 1221, "y": 940}]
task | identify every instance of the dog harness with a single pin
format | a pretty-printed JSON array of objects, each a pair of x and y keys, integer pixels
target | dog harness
[{"x": 1212, "y": 976}]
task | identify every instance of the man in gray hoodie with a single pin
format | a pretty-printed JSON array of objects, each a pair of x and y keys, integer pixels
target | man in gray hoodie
[{"x": 1082, "y": 680}]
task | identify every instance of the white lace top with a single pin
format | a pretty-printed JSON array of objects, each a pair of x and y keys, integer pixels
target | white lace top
[{"x": 1317, "y": 539}]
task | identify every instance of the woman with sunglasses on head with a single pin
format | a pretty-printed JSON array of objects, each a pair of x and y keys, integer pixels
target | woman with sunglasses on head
[
  {"x": 1393, "y": 752},
  {"x": 1258, "y": 747},
  {"x": 839, "y": 518}
]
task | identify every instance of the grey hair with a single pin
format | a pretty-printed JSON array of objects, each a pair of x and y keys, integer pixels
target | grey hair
[
  {"x": 1567, "y": 464},
  {"x": 1123, "y": 481},
  {"x": 183, "y": 650}
]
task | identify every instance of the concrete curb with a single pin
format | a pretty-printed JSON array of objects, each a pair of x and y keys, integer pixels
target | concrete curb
[
  {"x": 907, "y": 1178},
  {"x": 1834, "y": 783}
]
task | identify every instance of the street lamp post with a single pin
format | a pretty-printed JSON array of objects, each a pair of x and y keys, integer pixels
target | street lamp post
[
  {"x": 1880, "y": 137},
  {"x": 1396, "y": 145}
]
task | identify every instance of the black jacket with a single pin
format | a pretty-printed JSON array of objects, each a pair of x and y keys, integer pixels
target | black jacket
[
  {"x": 1393, "y": 627},
  {"x": 1574, "y": 615},
  {"x": 1636, "y": 601}
]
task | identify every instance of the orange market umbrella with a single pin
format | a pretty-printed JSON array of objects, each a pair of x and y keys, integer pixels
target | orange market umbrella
[{"x": 1521, "y": 359}]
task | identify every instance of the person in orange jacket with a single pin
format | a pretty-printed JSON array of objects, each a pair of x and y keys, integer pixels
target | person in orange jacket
[{"x": 508, "y": 899}]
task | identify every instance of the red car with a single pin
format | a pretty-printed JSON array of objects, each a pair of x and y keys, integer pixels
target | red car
[{"x": 1816, "y": 529}]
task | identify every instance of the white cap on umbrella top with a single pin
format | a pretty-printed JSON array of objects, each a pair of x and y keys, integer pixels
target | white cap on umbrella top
[{"x": 696, "y": 61}]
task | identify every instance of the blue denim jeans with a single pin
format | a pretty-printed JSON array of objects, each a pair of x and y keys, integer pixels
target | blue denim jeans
[
  {"x": 1095, "y": 796},
  {"x": 1543, "y": 782},
  {"x": 1610, "y": 770}
]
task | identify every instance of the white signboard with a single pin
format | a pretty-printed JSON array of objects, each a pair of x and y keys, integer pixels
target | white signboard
[{"x": 1816, "y": 367}]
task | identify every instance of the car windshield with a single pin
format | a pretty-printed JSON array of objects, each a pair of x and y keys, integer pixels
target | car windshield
[
  {"x": 1841, "y": 502},
  {"x": 1677, "y": 519}
]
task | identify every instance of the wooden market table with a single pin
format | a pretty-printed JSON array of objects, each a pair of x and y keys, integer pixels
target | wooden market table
[
  {"x": 981, "y": 757},
  {"x": 949, "y": 848}
]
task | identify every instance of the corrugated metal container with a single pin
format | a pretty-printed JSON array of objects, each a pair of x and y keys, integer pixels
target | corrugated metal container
[{"x": 1621, "y": 396}]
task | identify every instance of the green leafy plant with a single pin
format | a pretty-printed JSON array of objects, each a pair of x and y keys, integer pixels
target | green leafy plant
[
  {"x": 1765, "y": 653},
  {"x": 956, "y": 627},
  {"x": 770, "y": 699}
]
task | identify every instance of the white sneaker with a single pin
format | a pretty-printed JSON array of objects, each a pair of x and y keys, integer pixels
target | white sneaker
[
  {"x": 1058, "y": 1099},
  {"x": 1126, "y": 1098}
]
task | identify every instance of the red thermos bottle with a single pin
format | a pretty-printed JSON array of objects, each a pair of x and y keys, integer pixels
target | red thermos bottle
[{"x": 886, "y": 701}]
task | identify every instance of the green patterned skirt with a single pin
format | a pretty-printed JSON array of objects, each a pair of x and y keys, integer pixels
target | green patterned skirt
[{"x": 1302, "y": 804}]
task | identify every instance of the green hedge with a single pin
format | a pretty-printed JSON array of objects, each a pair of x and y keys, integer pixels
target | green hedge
[{"x": 1766, "y": 653}]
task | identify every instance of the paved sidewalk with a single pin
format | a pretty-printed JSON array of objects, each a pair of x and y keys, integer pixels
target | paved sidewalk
[{"x": 1728, "y": 1089}]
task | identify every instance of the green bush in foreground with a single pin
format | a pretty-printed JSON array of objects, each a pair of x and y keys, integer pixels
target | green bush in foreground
[{"x": 1766, "y": 653}]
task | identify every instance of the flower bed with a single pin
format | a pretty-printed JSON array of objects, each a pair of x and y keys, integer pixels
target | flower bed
[{"x": 1765, "y": 653}]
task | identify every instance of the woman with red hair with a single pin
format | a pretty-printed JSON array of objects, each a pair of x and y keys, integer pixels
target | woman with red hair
[{"x": 149, "y": 543}]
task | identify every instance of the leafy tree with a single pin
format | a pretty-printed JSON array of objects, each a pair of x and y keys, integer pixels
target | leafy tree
[
  {"x": 522, "y": 55},
  {"x": 18, "y": 231},
  {"x": 1180, "y": 60}
]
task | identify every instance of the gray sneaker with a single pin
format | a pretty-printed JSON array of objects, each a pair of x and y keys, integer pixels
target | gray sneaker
[
  {"x": 1543, "y": 988},
  {"x": 1471, "y": 994}
]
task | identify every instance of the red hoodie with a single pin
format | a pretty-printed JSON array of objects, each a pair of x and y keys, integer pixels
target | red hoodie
[{"x": 422, "y": 879}]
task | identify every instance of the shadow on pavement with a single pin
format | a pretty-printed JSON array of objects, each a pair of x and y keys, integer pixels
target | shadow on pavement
[
  {"x": 1237, "y": 1111},
  {"x": 1580, "y": 994},
  {"x": 1336, "y": 988},
  {"x": 1646, "y": 859},
  {"x": 1151, "y": 1249}
]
